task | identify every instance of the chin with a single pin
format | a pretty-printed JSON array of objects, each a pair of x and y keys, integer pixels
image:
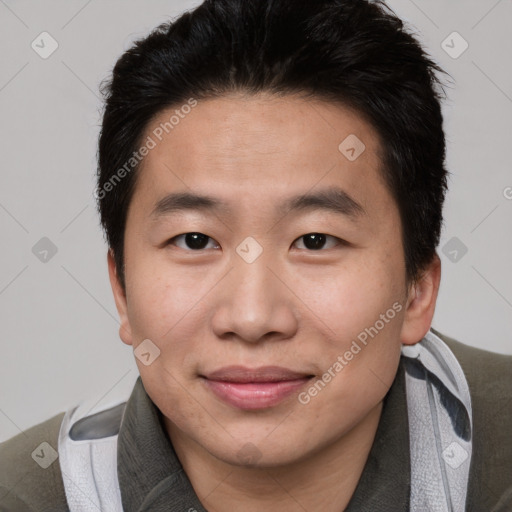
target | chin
[{"x": 262, "y": 454}]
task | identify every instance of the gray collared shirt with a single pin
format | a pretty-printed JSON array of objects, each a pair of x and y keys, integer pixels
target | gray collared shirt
[{"x": 151, "y": 477}]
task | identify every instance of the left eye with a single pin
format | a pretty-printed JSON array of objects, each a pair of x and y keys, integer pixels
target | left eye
[
  {"x": 317, "y": 241},
  {"x": 195, "y": 241}
]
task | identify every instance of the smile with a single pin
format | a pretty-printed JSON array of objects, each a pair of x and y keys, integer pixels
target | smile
[{"x": 252, "y": 389}]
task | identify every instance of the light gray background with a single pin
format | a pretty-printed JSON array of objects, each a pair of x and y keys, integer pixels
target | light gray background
[{"x": 59, "y": 328}]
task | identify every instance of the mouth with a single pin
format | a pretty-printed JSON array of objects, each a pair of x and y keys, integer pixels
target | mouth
[{"x": 254, "y": 388}]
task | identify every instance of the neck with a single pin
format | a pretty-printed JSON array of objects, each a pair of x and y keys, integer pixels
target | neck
[{"x": 324, "y": 480}]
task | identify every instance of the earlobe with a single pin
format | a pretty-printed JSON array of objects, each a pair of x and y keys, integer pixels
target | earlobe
[
  {"x": 421, "y": 304},
  {"x": 125, "y": 332}
]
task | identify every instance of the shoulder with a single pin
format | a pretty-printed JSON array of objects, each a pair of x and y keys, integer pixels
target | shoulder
[
  {"x": 31, "y": 462},
  {"x": 30, "y": 477},
  {"x": 489, "y": 374},
  {"x": 489, "y": 377}
]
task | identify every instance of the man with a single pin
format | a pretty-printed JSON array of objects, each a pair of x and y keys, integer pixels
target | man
[{"x": 271, "y": 180}]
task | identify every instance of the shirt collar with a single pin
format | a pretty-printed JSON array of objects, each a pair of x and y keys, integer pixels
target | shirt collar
[
  {"x": 150, "y": 474},
  {"x": 386, "y": 478},
  {"x": 151, "y": 477}
]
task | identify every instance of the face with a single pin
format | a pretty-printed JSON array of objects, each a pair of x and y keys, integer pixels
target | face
[{"x": 307, "y": 299}]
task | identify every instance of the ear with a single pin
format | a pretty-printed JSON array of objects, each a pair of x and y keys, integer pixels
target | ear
[
  {"x": 421, "y": 303},
  {"x": 125, "y": 331}
]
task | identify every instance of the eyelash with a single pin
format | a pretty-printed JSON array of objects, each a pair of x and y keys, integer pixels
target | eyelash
[{"x": 340, "y": 242}]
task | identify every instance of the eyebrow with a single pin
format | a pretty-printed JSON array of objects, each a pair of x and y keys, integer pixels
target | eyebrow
[{"x": 331, "y": 199}]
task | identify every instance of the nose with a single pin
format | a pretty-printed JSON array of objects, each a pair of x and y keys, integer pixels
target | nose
[{"x": 254, "y": 303}]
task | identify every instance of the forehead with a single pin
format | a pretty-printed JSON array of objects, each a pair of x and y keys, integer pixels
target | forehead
[{"x": 254, "y": 149}]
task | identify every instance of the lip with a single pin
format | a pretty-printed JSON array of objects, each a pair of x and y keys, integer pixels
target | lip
[{"x": 254, "y": 388}]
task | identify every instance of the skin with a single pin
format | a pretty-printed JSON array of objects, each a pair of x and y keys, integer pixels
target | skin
[{"x": 293, "y": 306}]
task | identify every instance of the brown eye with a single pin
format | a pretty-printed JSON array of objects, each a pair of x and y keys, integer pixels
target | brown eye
[
  {"x": 194, "y": 241},
  {"x": 317, "y": 241}
]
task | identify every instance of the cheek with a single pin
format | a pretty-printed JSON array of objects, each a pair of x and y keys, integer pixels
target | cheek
[
  {"x": 162, "y": 300},
  {"x": 353, "y": 295},
  {"x": 362, "y": 306}
]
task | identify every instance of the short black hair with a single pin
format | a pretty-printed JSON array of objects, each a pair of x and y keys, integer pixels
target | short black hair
[{"x": 355, "y": 53}]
